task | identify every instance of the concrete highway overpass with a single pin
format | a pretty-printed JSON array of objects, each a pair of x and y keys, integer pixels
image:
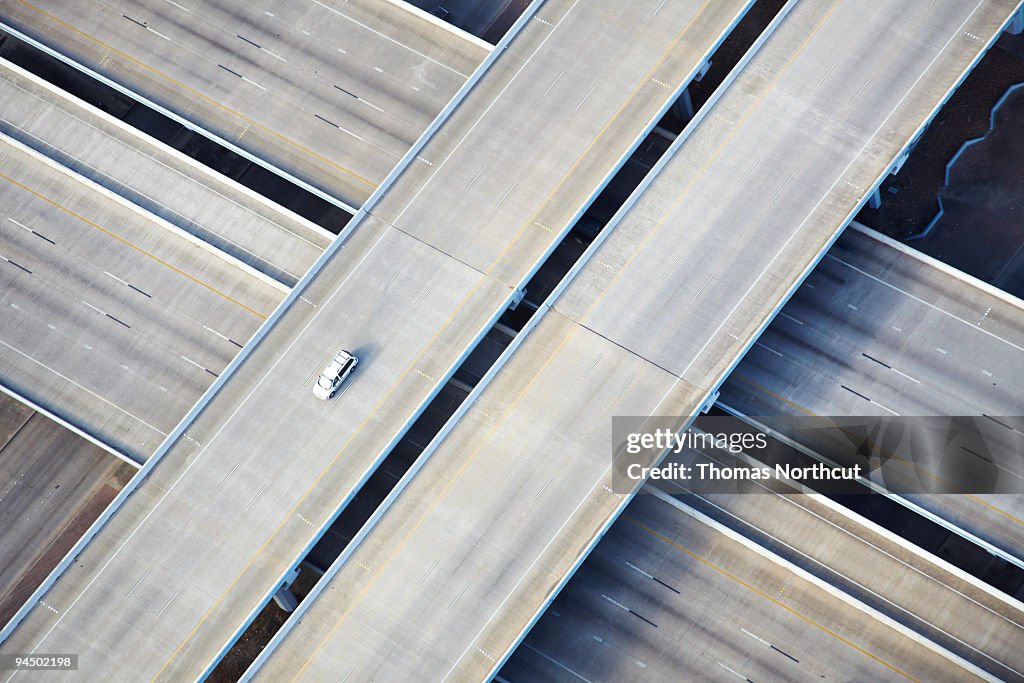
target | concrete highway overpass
[
  {"x": 500, "y": 511},
  {"x": 671, "y": 594},
  {"x": 330, "y": 94},
  {"x": 109, "y": 317},
  {"x": 157, "y": 178},
  {"x": 879, "y": 329},
  {"x": 868, "y": 296},
  {"x": 416, "y": 279}
]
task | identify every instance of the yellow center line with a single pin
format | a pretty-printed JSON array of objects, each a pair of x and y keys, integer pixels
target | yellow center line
[
  {"x": 994, "y": 508},
  {"x": 643, "y": 81},
  {"x": 769, "y": 87},
  {"x": 294, "y": 510},
  {"x": 193, "y": 91},
  {"x": 724, "y": 572},
  {"x": 894, "y": 456},
  {"x": 128, "y": 243},
  {"x": 410, "y": 368},
  {"x": 492, "y": 429},
  {"x": 852, "y": 435}
]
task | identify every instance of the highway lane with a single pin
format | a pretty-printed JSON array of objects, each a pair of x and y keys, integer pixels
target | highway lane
[
  {"x": 705, "y": 607},
  {"x": 108, "y": 318},
  {"x": 957, "y": 612},
  {"x": 161, "y": 180},
  {"x": 503, "y": 509},
  {"x": 266, "y": 465},
  {"x": 333, "y": 93},
  {"x": 878, "y": 330}
]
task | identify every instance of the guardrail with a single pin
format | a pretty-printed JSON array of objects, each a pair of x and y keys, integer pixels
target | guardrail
[
  {"x": 227, "y": 144},
  {"x": 260, "y": 333},
  {"x": 96, "y": 441}
]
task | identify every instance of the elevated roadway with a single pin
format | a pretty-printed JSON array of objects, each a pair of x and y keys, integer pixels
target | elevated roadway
[
  {"x": 157, "y": 178},
  {"x": 666, "y": 597},
  {"x": 109, "y": 318},
  {"x": 879, "y": 329},
  {"x": 331, "y": 93},
  {"x": 497, "y": 514},
  {"x": 952, "y": 609},
  {"x": 219, "y": 522}
]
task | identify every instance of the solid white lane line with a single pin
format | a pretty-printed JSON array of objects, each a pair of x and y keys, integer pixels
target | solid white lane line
[{"x": 88, "y": 391}]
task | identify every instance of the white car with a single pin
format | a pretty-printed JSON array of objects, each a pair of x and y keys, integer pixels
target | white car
[{"x": 334, "y": 374}]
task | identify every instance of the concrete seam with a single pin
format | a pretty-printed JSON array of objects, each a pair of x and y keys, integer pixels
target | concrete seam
[
  {"x": 485, "y": 380},
  {"x": 612, "y": 223},
  {"x": 261, "y": 332},
  {"x": 696, "y": 120},
  {"x": 406, "y": 160}
]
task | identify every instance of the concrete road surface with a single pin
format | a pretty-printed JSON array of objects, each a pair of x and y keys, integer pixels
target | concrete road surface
[
  {"x": 470, "y": 552},
  {"x": 54, "y": 484},
  {"x": 333, "y": 93},
  {"x": 108, "y": 318},
  {"x": 157, "y": 178},
  {"x": 958, "y": 612},
  {"x": 878, "y": 329},
  {"x": 664, "y": 597},
  {"x": 242, "y": 496}
]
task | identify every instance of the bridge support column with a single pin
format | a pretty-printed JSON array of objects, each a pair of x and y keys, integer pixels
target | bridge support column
[
  {"x": 1016, "y": 24},
  {"x": 875, "y": 200},
  {"x": 517, "y": 299},
  {"x": 284, "y": 597},
  {"x": 703, "y": 71},
  {"x": 684, "y": 105},
  {"x": 708, "y": 404}
]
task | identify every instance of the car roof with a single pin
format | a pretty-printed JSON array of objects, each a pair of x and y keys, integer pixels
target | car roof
[{"x": 335, "y": 366}]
